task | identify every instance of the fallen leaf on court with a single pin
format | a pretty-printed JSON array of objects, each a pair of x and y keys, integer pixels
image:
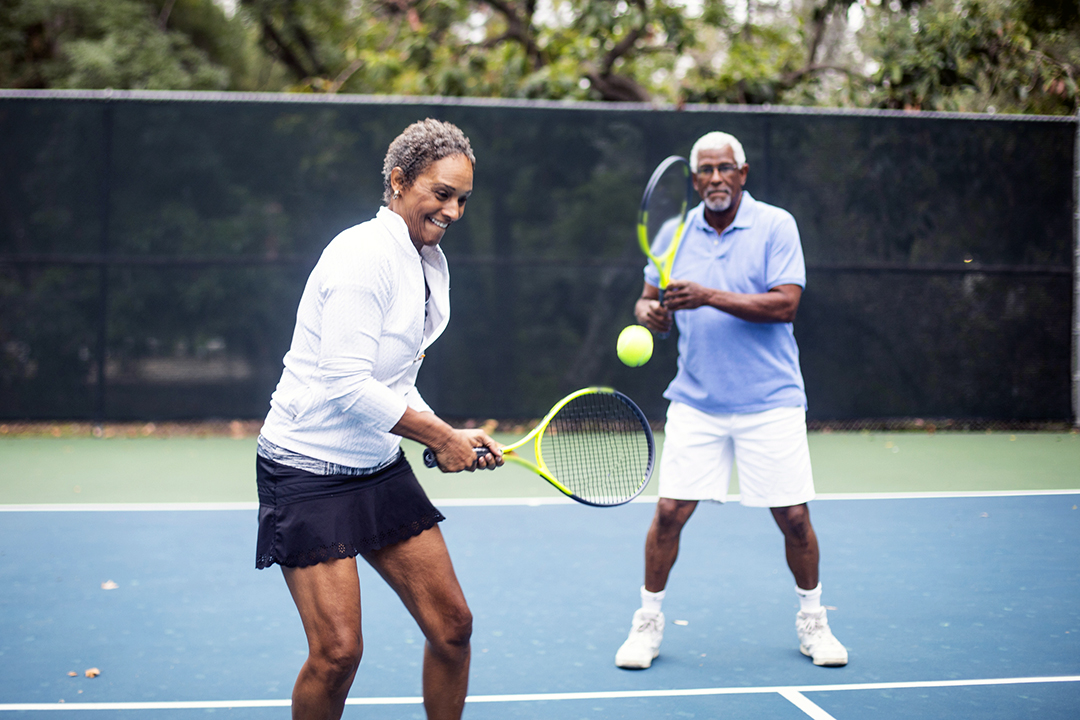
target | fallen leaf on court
[
  {"x": 73, "y": 674},
  {"x": 109, "y": 585},
  {"x": 92, "y": 673}
]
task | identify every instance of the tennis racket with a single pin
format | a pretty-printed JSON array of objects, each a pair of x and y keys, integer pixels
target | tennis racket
[
  {"x": 594, "y": 446},
  {"x": 668, "y": 196}
]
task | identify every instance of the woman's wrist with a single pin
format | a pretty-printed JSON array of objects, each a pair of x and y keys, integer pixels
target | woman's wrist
[{"x": 426, "y": 428}]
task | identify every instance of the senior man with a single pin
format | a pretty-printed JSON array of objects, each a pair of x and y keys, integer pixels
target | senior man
[{"x": 738, "y": 396}]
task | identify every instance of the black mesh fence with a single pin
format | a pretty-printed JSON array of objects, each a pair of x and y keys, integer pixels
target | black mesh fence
[{"x": 153, "y": 249}]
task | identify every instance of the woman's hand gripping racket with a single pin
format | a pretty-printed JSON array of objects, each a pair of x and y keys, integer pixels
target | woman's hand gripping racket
[
  {"x": 595, "y": 446},
  {"x": 662, "y": 218}
]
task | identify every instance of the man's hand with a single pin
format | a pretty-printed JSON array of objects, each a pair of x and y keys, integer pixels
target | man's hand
[
  {"x": 686, "y": 295},
  {"x": 778, "y": 305},
  {"x": 650, "y": 313}
]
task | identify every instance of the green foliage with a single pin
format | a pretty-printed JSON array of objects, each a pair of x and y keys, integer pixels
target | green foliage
[
  {"x": 140, "y": 44},
  {"x": 976, "y": 55},
  {"x": 760, "y": 63},
  {"x": 493, "y": 48}
]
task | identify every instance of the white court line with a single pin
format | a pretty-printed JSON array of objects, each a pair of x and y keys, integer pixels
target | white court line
[
  {"x": 112, "y": 507},
  {"x": 800, "y": 701},
  {"x": 788, "y": 692},
  {"x": 501, "y": 502},
  {"x": 942, "y": 494},
  {"x": 932, "y": 495}
]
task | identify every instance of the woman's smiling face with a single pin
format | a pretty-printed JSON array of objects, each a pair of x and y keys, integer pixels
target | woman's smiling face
[{"x": 435, "y": 200}]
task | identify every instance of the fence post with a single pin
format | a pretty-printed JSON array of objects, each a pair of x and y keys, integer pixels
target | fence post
[
  {"x": 103, "y": 248},
  {"x": 766, "y": 158},
  {"x": 1076, "y": 279}
]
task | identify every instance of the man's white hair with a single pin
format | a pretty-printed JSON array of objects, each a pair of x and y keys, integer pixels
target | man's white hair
[{"x": 718, "y": 141}]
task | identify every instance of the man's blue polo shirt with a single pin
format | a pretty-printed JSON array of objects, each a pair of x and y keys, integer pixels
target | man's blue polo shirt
[{"x": 728, "y": 365}]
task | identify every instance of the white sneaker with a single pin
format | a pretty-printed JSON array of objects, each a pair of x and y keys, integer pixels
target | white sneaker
[
  {"x": 817, "y": 641},
  {"x": 643, "y": 644}
]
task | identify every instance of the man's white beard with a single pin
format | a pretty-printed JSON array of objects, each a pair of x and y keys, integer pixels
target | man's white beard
[{"x": 718, "y": 205}]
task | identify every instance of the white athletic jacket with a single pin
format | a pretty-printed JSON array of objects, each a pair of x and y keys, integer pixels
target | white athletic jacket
[{"x": 361, "y": 332}]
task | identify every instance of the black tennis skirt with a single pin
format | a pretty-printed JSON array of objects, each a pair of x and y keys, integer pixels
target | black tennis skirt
[{"x": 305, "y": 519}]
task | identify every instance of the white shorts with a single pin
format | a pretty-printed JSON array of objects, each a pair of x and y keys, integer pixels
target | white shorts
[{"x": 769, "y": 447}]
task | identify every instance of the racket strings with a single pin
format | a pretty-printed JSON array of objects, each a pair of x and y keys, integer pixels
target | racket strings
[{"x": 598, "y": 447}]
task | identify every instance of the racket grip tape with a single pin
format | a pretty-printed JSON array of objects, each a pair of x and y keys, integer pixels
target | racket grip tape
[
  {"x": 430, "y": 461},
  {"x": 662, "y": 335}
]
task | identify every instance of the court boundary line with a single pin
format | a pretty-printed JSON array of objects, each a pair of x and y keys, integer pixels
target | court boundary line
[
  {"x": 526, "y": 501},
  {"x": 808, "y": 706},
  {"x": 789, "y": 692}
]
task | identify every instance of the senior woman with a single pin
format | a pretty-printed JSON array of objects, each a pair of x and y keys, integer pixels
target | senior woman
[{"x": 333, "y": 482}]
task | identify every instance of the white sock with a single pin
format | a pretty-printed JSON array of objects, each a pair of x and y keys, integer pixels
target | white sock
[
  {"x": 809, "y": 600},
  {"x": 651, "y": 601}
]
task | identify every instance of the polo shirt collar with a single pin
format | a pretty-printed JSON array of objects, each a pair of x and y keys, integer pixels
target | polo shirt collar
[{"x": 744, "y": 216}]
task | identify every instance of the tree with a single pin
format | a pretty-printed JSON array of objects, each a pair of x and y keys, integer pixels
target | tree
[
  {"x": 768, "y": 54},
  {"x": 148, "y": 44},
  {"x": 624, "y": 50},
  {"x": 976, "y": 55}
]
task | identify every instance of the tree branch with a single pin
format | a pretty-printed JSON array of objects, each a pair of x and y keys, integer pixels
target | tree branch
[
  {"x": 819, "y": 19},
  {"x": 166, "y": 11},
  {"x": 300, "y": 56},
  {"x": 281, "y": 50},
  {"x": 520, "y": 29},
  {"x": 617, "y": 88},
  {"x": 343, "y": 77},
  {"x": 305, "y": 40},
  {"x": 628, "y": 42}
]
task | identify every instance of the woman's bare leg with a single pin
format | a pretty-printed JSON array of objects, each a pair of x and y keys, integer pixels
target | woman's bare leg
[
  {"x": 328, "y": 598},
  {"x": 420, "y": 571}
]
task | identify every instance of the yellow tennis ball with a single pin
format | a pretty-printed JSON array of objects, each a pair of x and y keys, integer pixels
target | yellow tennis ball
[{"x": 635, "y": 345}]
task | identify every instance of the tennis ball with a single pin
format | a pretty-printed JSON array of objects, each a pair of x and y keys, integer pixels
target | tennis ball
[{"x": 635, "y": 345}]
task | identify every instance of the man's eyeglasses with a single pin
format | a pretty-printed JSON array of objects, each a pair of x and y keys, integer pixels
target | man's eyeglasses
[{"x": 706, "y": 171}]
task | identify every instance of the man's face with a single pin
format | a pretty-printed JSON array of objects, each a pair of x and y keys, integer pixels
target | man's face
[{"x": 718, "y": 179}]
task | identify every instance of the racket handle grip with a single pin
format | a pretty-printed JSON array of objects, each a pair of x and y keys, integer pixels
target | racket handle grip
[
  {"x": 662, "y": 335},
  {"x": 430, "y": 461}
]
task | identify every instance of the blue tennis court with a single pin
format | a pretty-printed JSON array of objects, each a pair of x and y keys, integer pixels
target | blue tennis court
[{"x": 957, "y": 606}]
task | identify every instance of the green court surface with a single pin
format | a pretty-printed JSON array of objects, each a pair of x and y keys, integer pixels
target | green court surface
[{"x": 36, "y": 470}]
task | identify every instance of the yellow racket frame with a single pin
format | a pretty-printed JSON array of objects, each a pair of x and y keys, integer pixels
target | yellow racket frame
[
  {"x": 663, "y": 262},
  {"x": 540, "y": 467}
]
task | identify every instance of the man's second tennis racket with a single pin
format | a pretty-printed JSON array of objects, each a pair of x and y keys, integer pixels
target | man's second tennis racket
[
  {"x": 594, "y": 446},
  {"x": 668, "y": 197}
]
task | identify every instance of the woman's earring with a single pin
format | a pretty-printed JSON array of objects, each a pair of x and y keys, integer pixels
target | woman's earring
[{"x": 396, "y": 194}]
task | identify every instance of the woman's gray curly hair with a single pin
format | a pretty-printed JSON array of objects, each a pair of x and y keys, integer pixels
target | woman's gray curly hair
[{"x": 418, "y": 146}]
